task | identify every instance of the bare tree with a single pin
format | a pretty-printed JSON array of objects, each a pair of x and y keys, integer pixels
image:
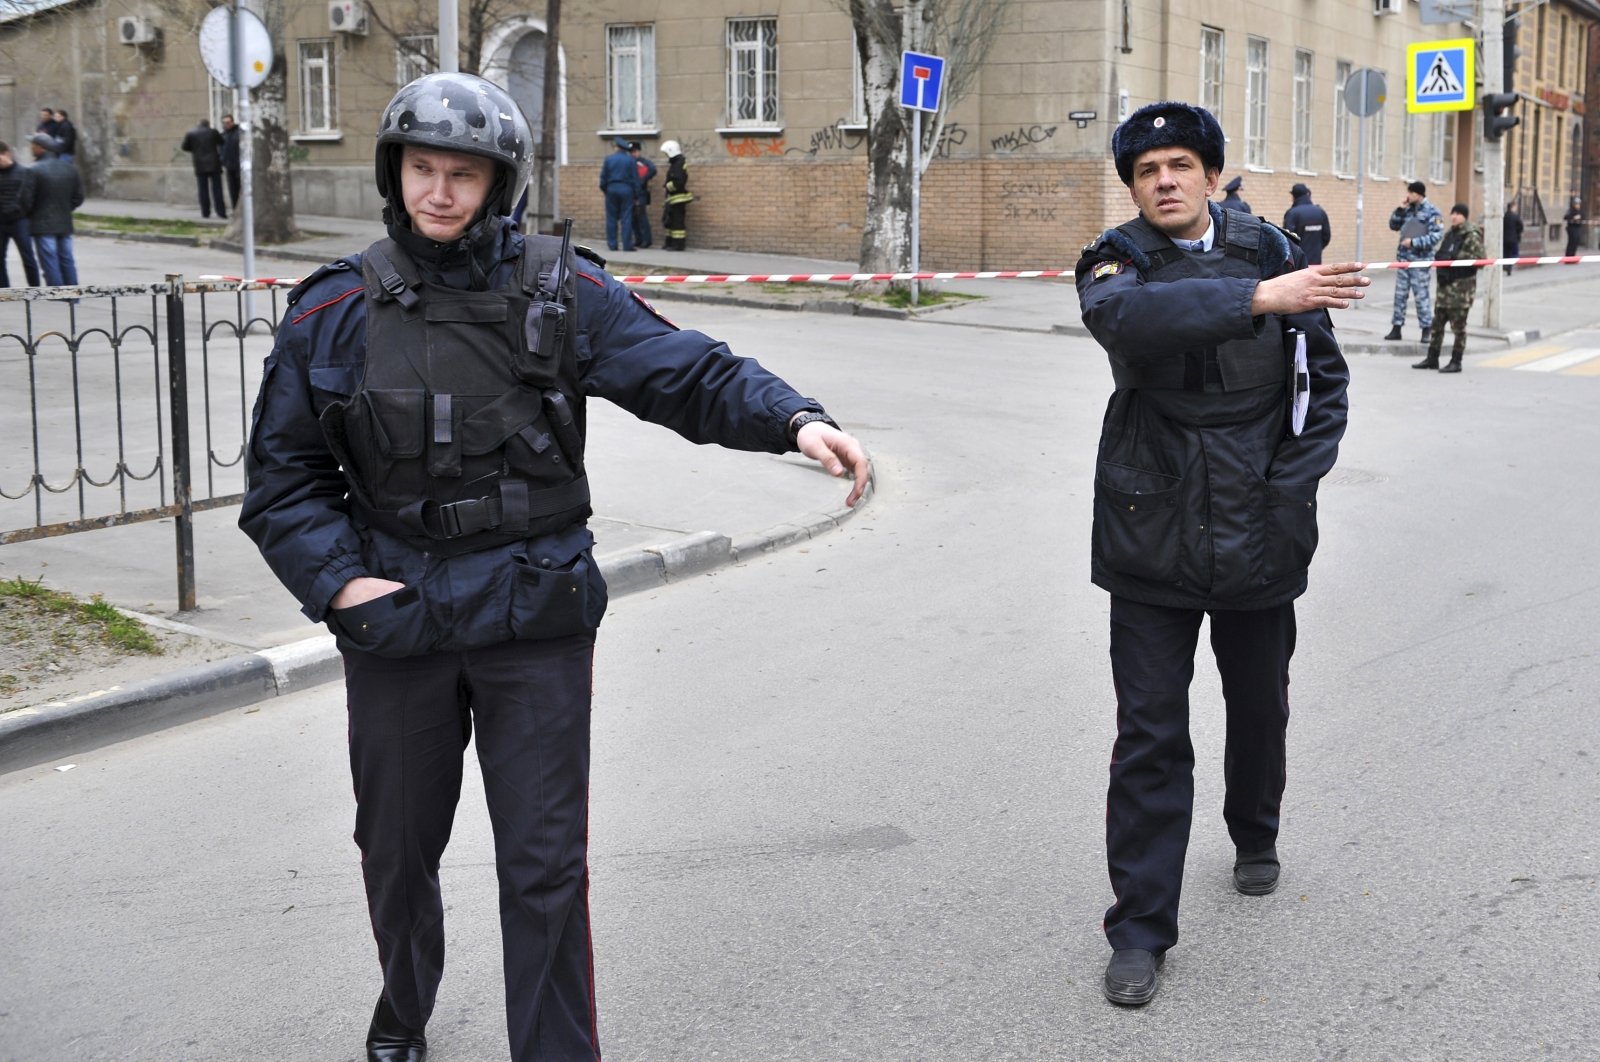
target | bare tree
[
  {"x": 269, "y": 139},
  {"x": 959, "y": 31}
]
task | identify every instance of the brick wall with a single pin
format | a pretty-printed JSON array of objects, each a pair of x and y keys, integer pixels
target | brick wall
[{"x": 1005, "y": 213}]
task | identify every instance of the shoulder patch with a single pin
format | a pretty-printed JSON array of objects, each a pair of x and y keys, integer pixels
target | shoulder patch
[
  {"x": 657, "y": 314},
  {"x": 1107, "y": 269}
]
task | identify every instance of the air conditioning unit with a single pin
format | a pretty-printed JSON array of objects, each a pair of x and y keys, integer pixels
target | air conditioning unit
[
  {"x": 347, "y": 16},
  {"x": 136, "y": 29},
  {"x": 1386, "y": 7}
]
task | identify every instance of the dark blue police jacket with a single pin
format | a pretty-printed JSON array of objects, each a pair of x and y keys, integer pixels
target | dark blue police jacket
[{"x": 296, "y": 505}]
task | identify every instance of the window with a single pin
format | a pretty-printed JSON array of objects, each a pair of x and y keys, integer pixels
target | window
[
  {"x": 753, "y": 71},
  {"x": 1408, "y": 147},
  {"x": 1575, "y": 158},
  {"x": 1255, "y": 103},
  {"x": 631, "y": 76},
  {"x": 1444, "y": 147},
  {"x": 1302, "y": 110},
  {"x": 414, "y": 57},
  {"x": 858, "y": 94},
  {"x": 317, "y": 100},
  {"x": 1377, "y": 141},
  {"x": 224, "y": 100},
  {"x": 1341, "y": 120},
  {"x": 1211, "y": 70}
]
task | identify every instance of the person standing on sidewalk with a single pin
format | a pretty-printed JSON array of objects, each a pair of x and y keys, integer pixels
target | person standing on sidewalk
[
  {"x": 16, "y": 205},
  {"x": 619, "y": 182},
  {"x": 642, "y": 236},
  {"x": 1457, "y": 286},
  {"x": 1204, "y": 505},
  {"x": 204, "y": 145},
  {"x": 230, "y": 158},
  {"x": 416, "y": 479},
  {"x": 66, "y": 135},
  {"x": 57, "y": 192},
  {"x": 1574, "y": 221},
  {"x": 1511, "y": 235},
  {"x": 1309, "y": 222},
  {"x": 1420, "y": 228},
  {"x": 1231, "y": 201},
  {"x": 675, "y": 214}
]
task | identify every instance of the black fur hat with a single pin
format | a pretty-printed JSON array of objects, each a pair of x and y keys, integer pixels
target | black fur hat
[{"x": 1170, "y": 124}]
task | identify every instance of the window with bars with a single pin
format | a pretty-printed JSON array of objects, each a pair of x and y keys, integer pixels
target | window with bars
[
  {"x": 1341, "y": 119},
  {"x": 1443, "y": 155},
  {"x": 1255, "y": 102},
  {"x": 318, "y": 102},
  {"x": 1211, "y": 67},
  {"x": 752, "y": 72},
  {"x": 631, "y": 76},
  {"x": 1301, "y": 146},
  {"x": 1408, "y": 147},
  {"x": 414, "y": 57}
]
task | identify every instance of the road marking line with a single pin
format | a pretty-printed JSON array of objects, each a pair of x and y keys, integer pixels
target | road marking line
[
  {"x": 1588, "y": 368},
  {"x": 1519, "y": 357},
  {"x": 1557, "y": 362}
]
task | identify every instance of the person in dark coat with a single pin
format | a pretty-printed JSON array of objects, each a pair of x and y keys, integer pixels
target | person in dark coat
[
  {"x": 675, "y": 214},
  {"x": 66, "y": 135},
  {"x": 1511, "y": 236},
  {"x": 1309, "y": 222},
  {"x": 1231, "y": 201},
  {"x": 230, "y": 158},
  {"x": 642, "y": 236},
  {"x": 47, "y": 122},
  {"x": 57, "y": 192},
  {"x": 204, "y": 145},
  {"x": 1204, "y": 505},
  {"x": 619, "y": 181},
  {"x": 16, "y": 206},
  {"x": 421, "y": 488},
  {"x": 1574, "y": 221}
]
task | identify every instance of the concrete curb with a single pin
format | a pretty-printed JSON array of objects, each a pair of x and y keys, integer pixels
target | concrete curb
[{"x": 44, "y": 733}]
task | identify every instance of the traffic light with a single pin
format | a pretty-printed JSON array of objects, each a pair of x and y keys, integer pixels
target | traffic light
[
  {"x": 1495, "y": 120},
  {"x": 1508, "y": 55}
]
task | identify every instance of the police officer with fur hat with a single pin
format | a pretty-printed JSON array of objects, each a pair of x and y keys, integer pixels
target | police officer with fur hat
[
  {"x": 416, "y": 479},
  {"x": 1204, "y": 505}
]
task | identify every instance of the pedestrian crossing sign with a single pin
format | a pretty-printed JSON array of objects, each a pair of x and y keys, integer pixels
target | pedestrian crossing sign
[{"x": 1439, "y": 76}]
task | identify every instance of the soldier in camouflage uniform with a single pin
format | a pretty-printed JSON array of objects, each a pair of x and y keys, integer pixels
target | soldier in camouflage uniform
[{"x": 1457, "y": 286}]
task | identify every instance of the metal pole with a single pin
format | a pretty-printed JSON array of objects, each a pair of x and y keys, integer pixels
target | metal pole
[
  {"x": 178, "y": 397},
  {"x": 449, "y": 38},
  {"x": 1493, "y": 22},
  {"x": 916, "y": 203},
  {"x": 246, "y": 155},
  {"x": 1361, "y": 162}
]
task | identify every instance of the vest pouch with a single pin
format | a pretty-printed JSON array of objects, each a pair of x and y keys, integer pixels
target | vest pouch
[
  {"x": 394, "y": 625},
  {"x": 1136, "y": 522},
  {"x": 551, "y": 600},
  {"x": 395, "y": 420}
]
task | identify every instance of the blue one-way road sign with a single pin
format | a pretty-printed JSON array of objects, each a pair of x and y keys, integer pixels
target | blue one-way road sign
[{"x": 921, "y": 77}]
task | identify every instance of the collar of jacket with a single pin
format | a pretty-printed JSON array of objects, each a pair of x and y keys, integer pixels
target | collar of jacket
[{"x": 468, "y": 263}]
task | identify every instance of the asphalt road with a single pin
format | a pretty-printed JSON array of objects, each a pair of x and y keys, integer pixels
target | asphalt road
[{"x": 848, "y": 798}]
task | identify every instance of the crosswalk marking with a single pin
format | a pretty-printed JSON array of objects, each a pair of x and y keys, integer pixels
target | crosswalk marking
[
  {"x": 1569, "y": 361},
  {"x": 1523, "y": 356}
]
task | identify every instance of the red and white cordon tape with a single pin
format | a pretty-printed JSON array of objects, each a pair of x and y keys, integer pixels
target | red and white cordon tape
[{"x": 987, "y": 274}]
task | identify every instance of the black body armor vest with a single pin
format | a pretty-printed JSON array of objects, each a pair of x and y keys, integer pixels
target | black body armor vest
[
  {"x": 1242, "y": 363},
  {"x": 468, "y": 429}
]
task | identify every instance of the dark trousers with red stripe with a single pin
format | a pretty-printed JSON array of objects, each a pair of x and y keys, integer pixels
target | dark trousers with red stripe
[
  {"x": 410, "y": 721},
  {"x": 1151, "y": 798}
]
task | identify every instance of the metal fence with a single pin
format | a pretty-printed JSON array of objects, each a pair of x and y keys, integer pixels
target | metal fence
[{"x": 96, "y": 388}]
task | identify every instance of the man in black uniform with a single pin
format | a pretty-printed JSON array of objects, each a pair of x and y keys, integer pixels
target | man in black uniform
[
  {"x": 416, "y": 479},
  {"x": 1309, "y": 223},
  {"x": 1232, "y": 200},
  {"x": 1205, "y": 504}
]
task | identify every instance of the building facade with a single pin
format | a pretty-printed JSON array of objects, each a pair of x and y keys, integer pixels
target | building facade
[{"x": 766, "y": 100}]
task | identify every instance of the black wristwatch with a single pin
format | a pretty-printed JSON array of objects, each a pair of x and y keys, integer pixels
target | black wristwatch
[{"x": 802, "y": 419}]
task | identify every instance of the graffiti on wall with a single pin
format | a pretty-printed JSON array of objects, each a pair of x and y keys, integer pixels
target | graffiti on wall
[
  {"x": 1032, "y": 199},
  {"x": 1026, "y": 136},
  {"x": 754, "y": 147}
]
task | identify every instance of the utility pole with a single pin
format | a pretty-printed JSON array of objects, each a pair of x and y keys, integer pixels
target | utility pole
[
  {"x": 547, "y": 173},
  {"x": 1493, "y": 21},
  {"x": 449, "y": 36}
]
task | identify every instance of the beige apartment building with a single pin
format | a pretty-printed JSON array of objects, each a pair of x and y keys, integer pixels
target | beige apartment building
[{"x": 765, "y": 97}]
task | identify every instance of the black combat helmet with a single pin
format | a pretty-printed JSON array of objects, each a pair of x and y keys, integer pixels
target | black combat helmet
[{"x": 457, "y": 112}]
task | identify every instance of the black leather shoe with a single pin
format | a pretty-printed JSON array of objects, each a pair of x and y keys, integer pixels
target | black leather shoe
[
  {"x": 1131, "y": 976},
  {"x": 388, "y": 1040},
  {"x": 1394, "y": 333},
  {"x": 1256, "y": 873},
  {"x": 1427, "y": 334},
  {"x": 1429, "y": 362},
  {"x": 1450, "y": 366}
]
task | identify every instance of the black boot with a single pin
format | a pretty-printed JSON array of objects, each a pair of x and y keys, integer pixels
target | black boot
[
  {"x": 388, "y": 1040},
  {"x": 1456, "y": 351},
  {"x": 1394, "y": 333},
  {"x": 1432, "y": 359},
  {"x": 1427, "y": 333}
]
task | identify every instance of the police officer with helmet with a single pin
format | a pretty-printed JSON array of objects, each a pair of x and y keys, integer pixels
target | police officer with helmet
[
  {"x": 416, "y": 479},
  {"x": 1204, "y": 506}
]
